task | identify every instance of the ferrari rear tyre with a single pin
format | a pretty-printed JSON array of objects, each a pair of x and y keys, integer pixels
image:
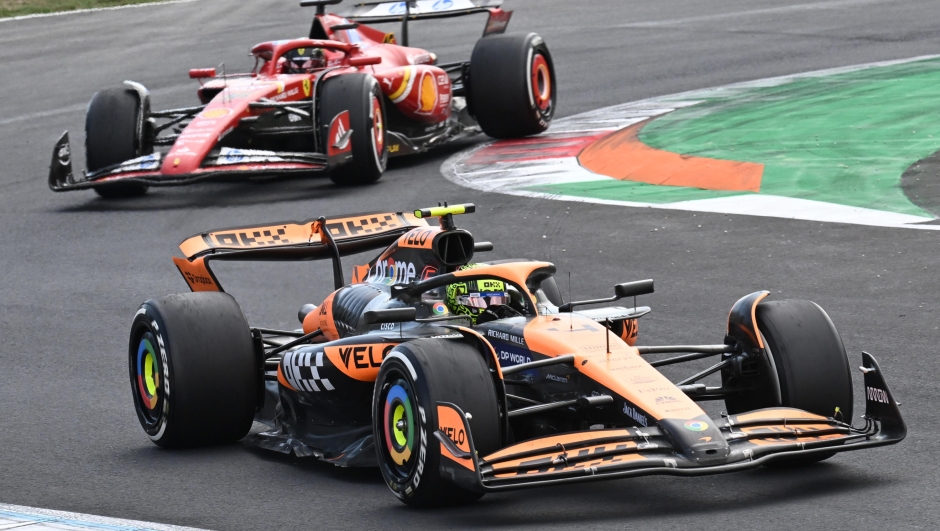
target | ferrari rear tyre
[
  {"x": 414, "y": 377},
  {"x": 361, "y": 95},
  {"x": 111, "y": 137},
  {"x": 812, "y": 369},
  {"x": 512, "y": 85},
  {"x": 193, "y": 371}
]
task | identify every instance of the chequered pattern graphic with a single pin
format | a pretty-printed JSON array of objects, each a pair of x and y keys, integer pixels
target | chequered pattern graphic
[
  {"x": 301, "y": 369},
  {"x": 257, "y": 238},
  {"x": 370, "y": 225}
]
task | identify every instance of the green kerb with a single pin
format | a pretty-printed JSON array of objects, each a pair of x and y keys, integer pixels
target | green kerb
[{"x": 844, "y": 139}]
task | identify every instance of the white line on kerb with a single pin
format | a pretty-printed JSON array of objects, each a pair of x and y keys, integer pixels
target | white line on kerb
[
  {"x": 24, "y": 518},
  {"x": 94, "y": 10}
]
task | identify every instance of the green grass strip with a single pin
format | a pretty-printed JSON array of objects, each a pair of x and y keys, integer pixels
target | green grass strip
[
  {"x": 16, "y": 8},
  {"x": 844, "y": 139}
]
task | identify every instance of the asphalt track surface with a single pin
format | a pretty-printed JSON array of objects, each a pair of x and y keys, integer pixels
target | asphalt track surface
[{"x": 74, "y": 268}]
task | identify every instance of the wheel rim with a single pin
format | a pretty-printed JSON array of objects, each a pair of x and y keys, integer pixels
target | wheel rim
[
  {"x": 541, "y": 82},
  {"x": 148, "y": 376},
  {"x": 378, "y": 130},
  {"x": 398, "y": 423}
]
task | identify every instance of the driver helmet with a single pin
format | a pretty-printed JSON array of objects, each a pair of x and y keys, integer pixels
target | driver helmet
[
  {"x": 473, "y": 297},
  {"x": 305, "y": 60}
]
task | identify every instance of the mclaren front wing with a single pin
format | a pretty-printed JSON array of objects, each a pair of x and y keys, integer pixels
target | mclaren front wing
[{"x": 750, "y": 440}]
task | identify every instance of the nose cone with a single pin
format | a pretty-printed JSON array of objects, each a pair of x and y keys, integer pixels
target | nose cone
[{"x": 699, "y": 439}]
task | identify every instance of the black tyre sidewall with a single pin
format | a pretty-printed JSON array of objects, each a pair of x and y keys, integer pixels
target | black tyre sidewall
[
  {"x": 438, "y": 380},
  {"x": 111, "y": 137},
  {"x": 500, "y": 92},
  {"x": 428, "y": 460},
  {"x": 149, "y": 320},
  {"x": 210, "y": 376},
  {"x": 812, "y": 367},
  {"x": 353, "y": 93}
]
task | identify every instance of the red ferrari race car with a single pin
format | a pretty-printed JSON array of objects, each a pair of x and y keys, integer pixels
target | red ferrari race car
[
  {"x": 340, "y": 101},
  {"x": 459, "y": 378}
]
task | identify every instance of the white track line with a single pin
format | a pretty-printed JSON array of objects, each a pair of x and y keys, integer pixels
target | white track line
[
  {"x": 172, "y": 89},
  {"x": 94, "y": 10},
  {"x": 34, "y": 519}
]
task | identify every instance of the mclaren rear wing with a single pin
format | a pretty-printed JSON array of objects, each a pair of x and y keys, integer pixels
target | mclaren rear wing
[{"x": 314, "y": 239}]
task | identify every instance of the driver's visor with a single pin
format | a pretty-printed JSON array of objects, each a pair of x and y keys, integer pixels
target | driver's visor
[{"x": 483, "y": 300}]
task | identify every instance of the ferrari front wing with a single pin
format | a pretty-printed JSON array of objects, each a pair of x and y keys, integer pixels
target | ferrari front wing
[
  {"x": 228, "y": 163},
  {"x": 753, "y": 439}
]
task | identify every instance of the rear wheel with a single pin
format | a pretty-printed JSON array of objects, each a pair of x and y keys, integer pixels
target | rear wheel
[
  {"x": 512, "y": 85},
  {"x": 192, "y": 370},
  {"x": 413, "y": 379},
  {"x": 111, "y": 137},
  {"x": 361, "y": 95},
  {"x": 809, "y": 361}
]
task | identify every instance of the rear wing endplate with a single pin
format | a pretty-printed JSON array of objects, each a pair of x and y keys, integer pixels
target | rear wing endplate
[{"x": 314, "y": 239}]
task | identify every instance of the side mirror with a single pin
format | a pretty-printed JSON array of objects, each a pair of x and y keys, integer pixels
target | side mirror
[
  {"x": 201, "y": 73},
  {"x": 364, "y": 61},
  {"x": 393, "y": 315},
  {"x": 632, "y": 289},
  {"x": 627, "y": 289}
]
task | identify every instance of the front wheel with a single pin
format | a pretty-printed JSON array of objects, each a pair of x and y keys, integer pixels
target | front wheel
[
  {"x": 111, "y": 137},
  {"x": 361, "y": 96},
  {"x": 809, "y": 370},
  {"x": 512, "y": 85},
  {"x": 414, "y": 377},
  {"x": 193, "y": 372}
]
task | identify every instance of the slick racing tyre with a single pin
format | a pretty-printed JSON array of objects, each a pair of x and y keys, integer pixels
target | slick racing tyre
[
  {"x": 111, "y": 137},
  {"x": 414, "y": 377},
  {"x": 512, "y": 85},
  {"x": 812, "y": 369},
  {"x": 193, "y": 372},
  {"x": 361, "y": 95}
]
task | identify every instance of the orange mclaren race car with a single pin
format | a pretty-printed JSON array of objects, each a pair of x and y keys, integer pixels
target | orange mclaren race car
[
  {"x": 459, "y": 378},
  {"x": 340, "y": 101}
]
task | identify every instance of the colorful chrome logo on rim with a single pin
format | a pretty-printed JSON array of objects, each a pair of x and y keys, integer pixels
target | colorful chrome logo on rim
[
  {"x": 696, "y": 425},
  {"x": 440, "y": 308},
  {"x": 148, "y": 372},
  {"x": 399, "y": 425}
]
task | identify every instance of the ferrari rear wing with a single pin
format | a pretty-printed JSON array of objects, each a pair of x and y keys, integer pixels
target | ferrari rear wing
[
  {"x": 375, "y": 12},
  {"x": 753, "y": 439},
  {"x": 313, "y": 239}
]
